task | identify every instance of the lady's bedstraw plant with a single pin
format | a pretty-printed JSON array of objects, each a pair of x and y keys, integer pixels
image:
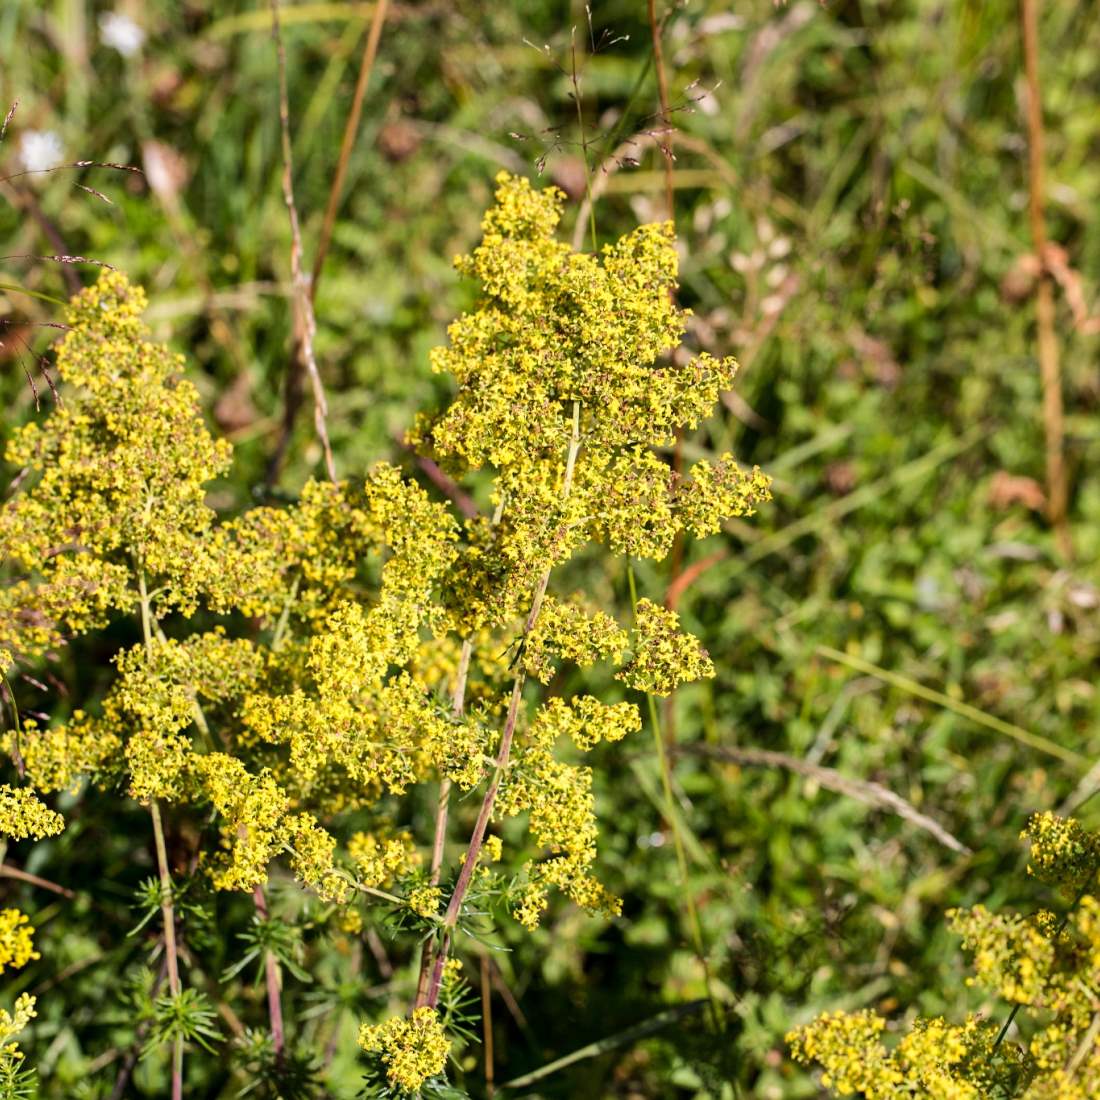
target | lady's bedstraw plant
[
  {"x": 1045, "y": 966},
  {"x": 370, "y": 642}
]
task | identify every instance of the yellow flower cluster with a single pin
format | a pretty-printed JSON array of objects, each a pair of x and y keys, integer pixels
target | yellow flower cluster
[
  {"x": 16, "y": 942},
  {"x": 565, "y": 354},
  {"x": 1049, "y": 969},
  {"x": 424, "y": 901},
  {"x": 117, "y": 476},
  {"x": 935, "y": 1059},
  {"x": 12, "y": 1023},
  {"x": 358, "y": 599},
  {"x": 1062, "y": 851},
  {"x": 382, "y": 857},
  {"x": 23, "y": 814},
  {"x": 565, "y": 631},
  {"x": 60, "y": 757},
  {"x": 383, "y": 729},
  {"x": 663, "y": 656},
  {"x": 411, "y": 1050}
]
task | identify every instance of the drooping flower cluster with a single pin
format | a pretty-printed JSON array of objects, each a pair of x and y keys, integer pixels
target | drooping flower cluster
[{"x": 1045, "y": 966}]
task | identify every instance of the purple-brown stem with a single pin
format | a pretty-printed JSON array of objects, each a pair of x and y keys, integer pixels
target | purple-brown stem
[
  {"x": 271, "y": 973},
  {"x": 477, "y": 839}
]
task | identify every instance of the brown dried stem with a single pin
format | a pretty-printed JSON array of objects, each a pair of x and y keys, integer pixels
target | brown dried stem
[
  {"x": 861, "y": 790},
  {"x": 168, "y": 916},
  {"x": 305, "y": 321},
  {"x": 655, "y": 28},
  {"x": 351, "y": 127},
  {"x": 1049, "y": 368}
]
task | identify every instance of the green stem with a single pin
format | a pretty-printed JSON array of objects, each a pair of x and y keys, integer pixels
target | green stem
[{"x": 673, "y": 821}]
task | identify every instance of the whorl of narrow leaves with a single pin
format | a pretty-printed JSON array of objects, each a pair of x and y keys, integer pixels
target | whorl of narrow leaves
[{"x": 1045, "y": 966}]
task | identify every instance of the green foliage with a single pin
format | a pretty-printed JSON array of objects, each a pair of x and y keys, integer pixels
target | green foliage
[{"x": 850, "y": 191}]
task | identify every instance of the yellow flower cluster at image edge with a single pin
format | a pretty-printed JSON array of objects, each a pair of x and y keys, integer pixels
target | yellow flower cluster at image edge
[
  {"x": 16, "y": 940},
  {"x": 1046, "y": 967}
]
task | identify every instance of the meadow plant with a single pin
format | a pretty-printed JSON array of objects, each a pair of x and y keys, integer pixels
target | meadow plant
[
  {"x": 302, "y": 665},
  {"x": 1045, "y": 967}
]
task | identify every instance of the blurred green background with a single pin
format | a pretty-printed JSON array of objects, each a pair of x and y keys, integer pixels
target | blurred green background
[{"x": 851, "y": 199}]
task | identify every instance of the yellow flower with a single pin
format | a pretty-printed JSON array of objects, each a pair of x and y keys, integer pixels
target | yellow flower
[
  {"x": 411, "y": 1050},
  {"x": 16, "y": 944},
  {"x": 23, "y": 815}
]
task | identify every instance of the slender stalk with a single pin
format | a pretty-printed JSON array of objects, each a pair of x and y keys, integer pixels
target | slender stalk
[
  {"x": 307, "y": 322},
  {"x": 487, "y": 1026},
  {"x": 458, "y": 706},
  {"x": 477, "y": 839},
  {"x": 1049, "y": 367},
  {"x": 676, "y": 558},
  {"x": 673, "y": 821},
  {"x": 575, "y": 79},
  {"x": 271, "y": 975},
  {"x": 34, "y": 880},
  {"x": 169, "y": 918},
  {"x": 666, "y": 107},
  {"x": 351, "y": 127},
  {"x": 167, "y": 910}
]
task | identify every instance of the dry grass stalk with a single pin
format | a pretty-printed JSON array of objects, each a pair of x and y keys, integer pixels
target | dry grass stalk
[
  {"x": 305, "y": 321},
  {"x": 871, "y": 794},
  {"x": 1049, "y": 367}
]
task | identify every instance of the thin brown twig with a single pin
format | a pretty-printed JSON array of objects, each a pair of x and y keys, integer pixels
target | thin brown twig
[
  {"x": 685, "y": 579},
  {"x": 1049, "y": 368},
  {"x": 655, "y": 28},
  {"x": 351, "y": 127},
  {"x": 446, "y": 485},
  {"x": 171, "y": 954},
  {"x": 871, "y": 794},
  {"x": 305, "y": 321},
  {"x": 34, "y": 880}
]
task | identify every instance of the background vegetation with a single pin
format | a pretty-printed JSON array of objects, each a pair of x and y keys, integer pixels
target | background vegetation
[{"x": 851, "y": 194}]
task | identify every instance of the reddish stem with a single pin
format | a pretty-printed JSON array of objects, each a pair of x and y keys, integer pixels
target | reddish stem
[{"x": 271, "y": 973}]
